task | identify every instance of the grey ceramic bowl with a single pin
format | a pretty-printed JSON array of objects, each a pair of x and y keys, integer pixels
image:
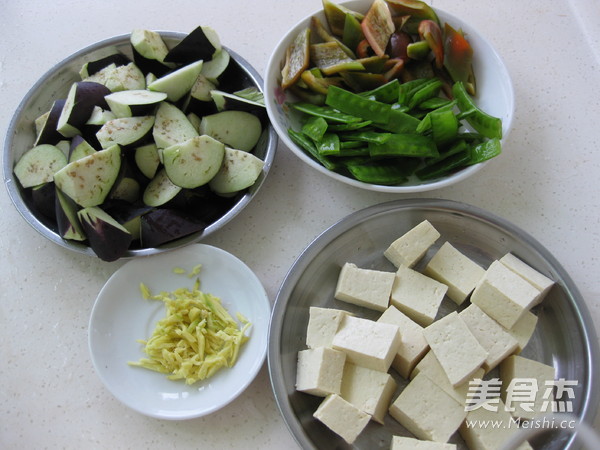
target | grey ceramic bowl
[
  {"x": 565, "y": 335},
  {"x": 55, "y": 84}
]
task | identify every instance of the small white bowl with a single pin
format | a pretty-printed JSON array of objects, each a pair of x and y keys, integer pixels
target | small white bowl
[
  {"x": 121, "y": 316},
  {"x": 495, "y": 96}
]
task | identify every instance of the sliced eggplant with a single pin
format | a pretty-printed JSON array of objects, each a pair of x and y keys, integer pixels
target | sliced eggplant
[
  {"x": 125, "y": 78},
  {"x": 79, "y": 148},
  {"x": 126, "y": 131},
  {"x": 160, "y": 190},
  {"x": 78, "y": 107},
  {"x": 43, "y": 198},
  {"x": 137, "y": 102},
  {"x": 39, "y": 164},
  {"x": 108, "y": 238},
  {"x": 100, "y": 116},
  {"x": 224, "y": 101},
  {"x": 102, "y": 75},
  {"x": 164, "y": 225},
  {"x": 48, "y": 133},
  {"x": 239, "y": 170},
  {"x": 216, "y": 66},
  {"x": 171, "y": 126},
  {"x": 199, "y": 100},
  {"x": 89, "y": 180},
  {"x": 193, "y": 163},
  {"x": 179, "y": 82},
  {"x": 92, "y": 67},
  {"x": 126, "y": 189},
  {"x": 195, "y": 120},
  {"x": 202, "y": 43},
  {"x": 149, "y": 51},
  {"x": 147, "y": 159},
  {"x": 69, "y": 226},
  {"x": 128, "y": 215},
  {"x": 236, "y": 129}
]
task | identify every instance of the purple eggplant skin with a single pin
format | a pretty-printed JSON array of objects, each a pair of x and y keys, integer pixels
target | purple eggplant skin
[
  {"x": 194, "y": 47},
  {"x": 87, "y": 95},
  {"x": 118, "y": 59},
  {"x": 44, "y": 198},
  {"x": 107, "y": 238},
  {"x": 48, "y": 133},
  {"x": 164, "y": 225},
  {"x": 147, "y": 65}
]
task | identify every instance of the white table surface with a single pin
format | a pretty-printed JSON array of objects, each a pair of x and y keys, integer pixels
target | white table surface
[{"x": 546, "y": 182}]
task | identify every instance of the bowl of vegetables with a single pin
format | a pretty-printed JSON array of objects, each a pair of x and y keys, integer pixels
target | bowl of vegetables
[
  {"x": 389, "y": 95},
  {"x": 125, "y": 148}
]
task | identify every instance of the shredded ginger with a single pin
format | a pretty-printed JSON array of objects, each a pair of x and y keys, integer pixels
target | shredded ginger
[{"x": 195, "y": 339}]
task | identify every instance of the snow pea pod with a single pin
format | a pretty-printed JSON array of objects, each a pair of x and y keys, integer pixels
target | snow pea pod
[
  {"x": 484, "y": 151},
  {"x": 324, "y": 112},
  {"x": 309, "y": 147},
  {"x": 414, "y": 145},
  {"x": 368, "y": 172},
  {"x": 489, "y": 126},
  {"x": 356, "y": 105},
  {"x": 444, "y": 166},
  {"x": 329, "y": 144},
  {"x": 314, "y": 127},
  {"x": 366, "y": 136},
  {"x": 386, "y": 93}
]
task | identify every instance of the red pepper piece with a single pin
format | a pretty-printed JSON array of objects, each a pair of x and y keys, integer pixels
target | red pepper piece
[
  {"x": 431, "y": 32},
  {"x": 458, "y": 58}
]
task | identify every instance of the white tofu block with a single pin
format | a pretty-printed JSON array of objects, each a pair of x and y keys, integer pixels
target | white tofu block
[
  {"x": 427, "y": 411},
  {"x": 503, "y": 295},
  {"x": 342, "y": 417},
  {"x": 367, "y": 343},
  {"x": 434, "y": 370},
  {"x": 407, "y": 443},
  {"x": 413, "y": 345},
  {"x": 478, "y": 437},
  {"x": 524, "y": 400},
  {"x": 409, "y": 248},
  {"x": 319, "y": 371},
  {"x": 369, "y": 390},
  {"x": 537, "y": 279},
  {"x": 456, "y": 270},
  {"x": 322, "y": 325},
  {"x": 417, "y": 295},
  {"x": 455, "y": 347},
  {"x": 492, "y": 336},
  {"x": 523, "y": 329},
  {"x": 364, "y": 287}
]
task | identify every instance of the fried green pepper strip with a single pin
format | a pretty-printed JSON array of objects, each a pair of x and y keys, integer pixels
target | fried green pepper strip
[{"x": 482, "y": 122}]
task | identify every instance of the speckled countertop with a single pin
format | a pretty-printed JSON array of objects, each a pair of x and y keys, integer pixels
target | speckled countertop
[{"x": 546, "y": 182}]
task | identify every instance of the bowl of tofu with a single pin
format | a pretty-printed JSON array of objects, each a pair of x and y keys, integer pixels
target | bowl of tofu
[
  {"x": 413, "y": 320},
  {"x": 129, "y": 147}
]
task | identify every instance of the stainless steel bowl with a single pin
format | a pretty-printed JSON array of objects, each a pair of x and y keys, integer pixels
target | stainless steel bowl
[
  {"x": 565, "y": 335},
  {"x": 55, "y": 84}
]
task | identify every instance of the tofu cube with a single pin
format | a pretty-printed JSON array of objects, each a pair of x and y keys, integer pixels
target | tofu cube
[
  {"x": 364, "y": 287},
  {"x": 417, "y": 295},
  {"x": 409, "y": 248},
  {"x": 528, "y": 273},
  {"x": 342, "y": 417},
  {"x": 492, "y": 336},
  {"x": 455, "y": 347},
  {"x": 408, "y": 443},
  {"x": 503, "y": 295},
  {"x": 413, "y": 345},
  {"x": 478, "y": 437},
  {"x": 322, "y": 325},
  {"x": 434, "y": 370},
  {"x": 527, "y": 386},
  {"x": 367, "y": 343},
  {"x": 523, "y": 330},
  {"x": 319, "y": 371},
  {"x": 369, "y": 390},
  {"x": 427, "y": 411},
  {"x": 456, "y": 270}
]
